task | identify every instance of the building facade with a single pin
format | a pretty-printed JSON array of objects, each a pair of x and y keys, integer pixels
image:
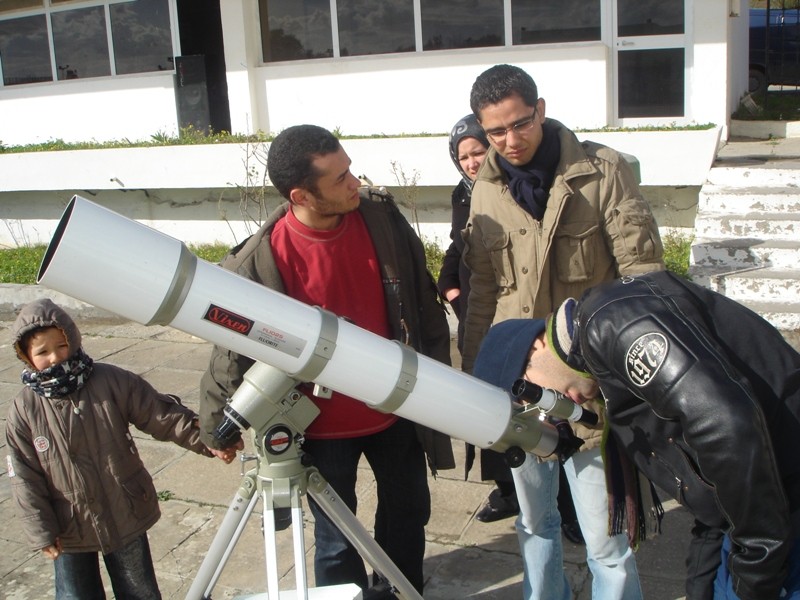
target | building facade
[{"x": 81, "y": 70}]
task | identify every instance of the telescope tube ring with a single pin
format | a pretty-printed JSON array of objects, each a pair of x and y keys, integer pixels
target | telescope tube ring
[
  {"x": 323, "y": 348},
  {"x": 406, "y": 380}
]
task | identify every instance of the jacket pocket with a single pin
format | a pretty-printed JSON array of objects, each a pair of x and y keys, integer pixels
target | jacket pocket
[
  {"x": 637, "y": 231},
  {"x": 575, "y": 248},
  {"x": 141, "y": 493},
  {"x": 499, "y": 247},
  {"x": 68, "y": 522}
]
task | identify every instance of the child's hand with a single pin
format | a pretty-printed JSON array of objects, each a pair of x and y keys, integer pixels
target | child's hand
[
  {"x": 228, "y": 454},
  {"x": 54, "y": 551}
]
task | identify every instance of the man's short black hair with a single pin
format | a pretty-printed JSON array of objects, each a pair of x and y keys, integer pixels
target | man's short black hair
[
  {"x": 498, "y": 83},
  {"x": 291, "y": 153}
]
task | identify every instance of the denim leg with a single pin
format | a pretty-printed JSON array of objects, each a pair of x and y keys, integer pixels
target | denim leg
[
  {"x": 131, "y": 571},
  {"x": 404, "y": 502},
  {"x": 78, "y": 577},
  {"x": 610, "y": 559},
  {"x": 539, "y": 531},
  {"x": 336, "y": 561}
]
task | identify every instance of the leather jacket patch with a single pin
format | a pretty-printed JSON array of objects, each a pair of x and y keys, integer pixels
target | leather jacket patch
[{"x": 645, "y": 357}]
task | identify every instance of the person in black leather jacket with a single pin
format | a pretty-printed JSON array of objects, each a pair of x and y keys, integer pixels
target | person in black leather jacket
[{"x": 704, "y": 397}]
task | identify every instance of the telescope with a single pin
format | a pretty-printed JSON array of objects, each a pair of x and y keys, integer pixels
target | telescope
[
  {"x": 552, "y": 403},
  {"x": 127, "y": 268}
]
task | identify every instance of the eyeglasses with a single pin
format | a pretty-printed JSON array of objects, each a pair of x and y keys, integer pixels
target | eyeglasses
[{"x": 499, "y": 135}]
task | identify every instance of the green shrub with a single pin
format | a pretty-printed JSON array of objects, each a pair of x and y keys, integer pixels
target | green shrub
[
  {"x": 20, "y": 265},
  {"x": 677, "y": 252},
  {"x": 212, "y": 253},
  {"x": 434, "y": 256}
]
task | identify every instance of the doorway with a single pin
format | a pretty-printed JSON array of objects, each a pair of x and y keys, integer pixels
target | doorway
[
  {"x": 650, "y": 63},
  {"x": 200, "y": 30}
]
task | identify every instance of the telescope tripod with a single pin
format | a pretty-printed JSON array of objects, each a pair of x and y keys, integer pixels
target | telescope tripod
[{"x": 280, "y": 478}]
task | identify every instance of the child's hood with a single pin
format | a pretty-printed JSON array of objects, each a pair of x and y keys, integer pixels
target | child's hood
[{"x": 44, "y": 313}]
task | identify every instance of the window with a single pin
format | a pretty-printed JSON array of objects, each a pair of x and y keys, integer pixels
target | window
[
  {"x": 141, "y": 34},
  {"x": 24, "y": 50},
  {"x": 547, "y": 22},
  {"x": 375, "y": 26},
  {"x": 461, "y": 24},
  {"x": 80, "y": 42},
  {"x": 296, "y": 29},
  {"x": 649, "y": 18},
  {"x": 305, "y": 29},
  {"x": 651, "y": 83},
  {"x": 141, "y": 39}
]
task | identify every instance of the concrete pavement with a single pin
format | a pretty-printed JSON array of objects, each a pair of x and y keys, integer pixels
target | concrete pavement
[{"x": 464, "y": 559}]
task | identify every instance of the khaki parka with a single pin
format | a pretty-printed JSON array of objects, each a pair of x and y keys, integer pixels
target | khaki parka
[
  {"x": 74, "y": 469},
  {"x": 596, "y": 227}
]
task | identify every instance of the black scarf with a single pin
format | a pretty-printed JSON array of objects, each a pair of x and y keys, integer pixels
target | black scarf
[
  {"x": 62, "y": 379},
  {"x": 530, "y": 184}
]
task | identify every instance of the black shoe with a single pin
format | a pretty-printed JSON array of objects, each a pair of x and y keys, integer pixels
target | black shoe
[
  {"x": 572, "y": 531},
  {"x": 380, "y": 591},
  {"x": 489, "y": 514},
  {"x": 498, "y": 507}
]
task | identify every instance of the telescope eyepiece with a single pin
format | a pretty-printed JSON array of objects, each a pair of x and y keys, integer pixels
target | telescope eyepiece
[{"x": 552, "y": 403}]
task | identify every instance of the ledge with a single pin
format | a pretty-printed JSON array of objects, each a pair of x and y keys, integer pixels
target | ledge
[
  {"x": 765, "y": 130},
  {"x": 667, "y": 158}
]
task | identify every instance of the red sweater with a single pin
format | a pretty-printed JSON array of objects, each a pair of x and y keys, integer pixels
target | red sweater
[{"x": 337, "y": 270}]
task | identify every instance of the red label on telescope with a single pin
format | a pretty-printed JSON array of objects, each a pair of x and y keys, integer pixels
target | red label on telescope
[{"x": 228, "y": 320}]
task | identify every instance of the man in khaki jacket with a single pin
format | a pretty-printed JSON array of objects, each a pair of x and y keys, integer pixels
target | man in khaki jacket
[{"x": 551, "y": 217}]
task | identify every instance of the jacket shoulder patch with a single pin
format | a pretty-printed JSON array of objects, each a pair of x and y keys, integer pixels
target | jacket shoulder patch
[{"x": 645, "y": 357}]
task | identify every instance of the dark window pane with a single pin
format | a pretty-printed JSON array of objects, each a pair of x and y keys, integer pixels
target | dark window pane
[
  {"x": 7, "y": 6},
  {"x": 375, "y": 26},
  {"x": 547, "y": 22},
  {"x": 24, "y": 51},
  {"x": 461, "y": 24},
  {"x": 80, "y": 42},
  {"x": 296, "y": 29},
  {"x": 141, "y": 36},
  {"x": 651, "y": 83},
  {"x": 650, "y": 17}
]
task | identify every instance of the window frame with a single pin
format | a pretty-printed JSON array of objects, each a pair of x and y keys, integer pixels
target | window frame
[{"x": 50, "y": 7}]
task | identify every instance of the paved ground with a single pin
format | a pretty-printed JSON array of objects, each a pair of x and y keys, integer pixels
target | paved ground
[{"x": 464, "y": 559}]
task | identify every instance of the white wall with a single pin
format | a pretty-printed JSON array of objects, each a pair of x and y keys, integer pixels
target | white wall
[
  {"x": 427, "y": 92},
  {"x": 104, "y": 108}
]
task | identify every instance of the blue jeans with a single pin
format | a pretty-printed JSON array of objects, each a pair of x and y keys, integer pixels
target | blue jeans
[
  {"x": 610, "y": 559},
  {"x": 130, "y": 569},
  {"x": 723, "y": 584},
  {"x": 404, "y": 503}
]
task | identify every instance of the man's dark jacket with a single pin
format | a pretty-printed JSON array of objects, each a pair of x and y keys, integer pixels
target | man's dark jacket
[
  {"x": 416, "y": 314},
  {"x": 705, "y": 396}
]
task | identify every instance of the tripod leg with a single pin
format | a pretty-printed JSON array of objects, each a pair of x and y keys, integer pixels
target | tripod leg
[
  {"x": 354, "y": 531},
  {"x": 301, "y": 578},
  {"x": 228, "y": 534}
]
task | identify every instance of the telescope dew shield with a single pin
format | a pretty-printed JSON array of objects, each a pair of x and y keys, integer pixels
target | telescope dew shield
[{"x": 122, "y": 266}]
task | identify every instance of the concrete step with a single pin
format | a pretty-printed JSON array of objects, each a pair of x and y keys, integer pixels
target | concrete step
[
  {"x": 783, "y": 312},
  {"x": 752, "y": 285},
  {"x": 714, "y": 199},
  {"x": 745, "y": 253},
  {"x": 758, "y": 225},
  {"x": 759, "y": 174}
]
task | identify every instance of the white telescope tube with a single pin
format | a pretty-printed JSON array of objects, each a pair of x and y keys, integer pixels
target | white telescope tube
[{"x": 117, "y": 264}]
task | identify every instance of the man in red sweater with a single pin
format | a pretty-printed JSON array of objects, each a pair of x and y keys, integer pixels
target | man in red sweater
[{"x": 351, "y": 252}]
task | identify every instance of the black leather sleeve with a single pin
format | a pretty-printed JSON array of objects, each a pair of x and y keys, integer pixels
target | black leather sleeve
[{"x": 723, "y": 450}]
